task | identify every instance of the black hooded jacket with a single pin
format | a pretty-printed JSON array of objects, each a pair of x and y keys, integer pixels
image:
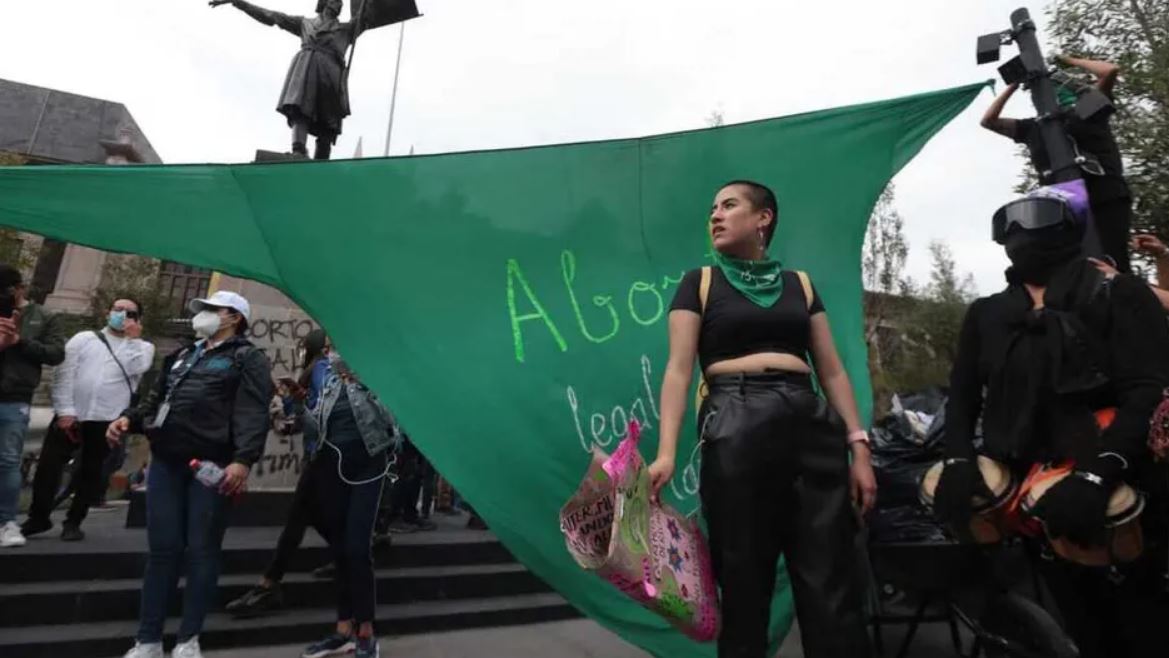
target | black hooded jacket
[
  {"x": 218, "y": 404},
  {"x": 1114, "y": 353}
]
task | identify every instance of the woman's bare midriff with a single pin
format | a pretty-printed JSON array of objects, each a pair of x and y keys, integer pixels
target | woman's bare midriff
[{"x": 758, "y": 363}]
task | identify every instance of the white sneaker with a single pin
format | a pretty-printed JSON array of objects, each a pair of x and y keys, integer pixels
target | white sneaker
[
  {"x": 188, "y": 649},
  {"x": 151, "y": 650},
  {"x": 10, "y": 536}
]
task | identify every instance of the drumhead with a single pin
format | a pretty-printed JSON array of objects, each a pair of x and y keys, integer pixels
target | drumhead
[
  {"x": 1126, "y": 503},
  {"x": 997, "y": 477}
]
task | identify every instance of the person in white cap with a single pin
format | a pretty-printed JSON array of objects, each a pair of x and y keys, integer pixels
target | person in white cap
[{"x": 210, "y": 406}]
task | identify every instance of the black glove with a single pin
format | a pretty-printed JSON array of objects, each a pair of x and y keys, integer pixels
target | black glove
[
  {"x": 961, "y": 481},
  {"x": 1077, "y": 507}
]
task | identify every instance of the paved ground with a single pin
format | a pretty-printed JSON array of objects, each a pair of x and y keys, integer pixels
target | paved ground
[{"x": 567, "y": 639}]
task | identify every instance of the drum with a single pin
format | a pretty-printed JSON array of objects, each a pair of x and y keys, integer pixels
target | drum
[
  {"x": 1125, "y": 540},
  {"x": 989, "y": 524}
]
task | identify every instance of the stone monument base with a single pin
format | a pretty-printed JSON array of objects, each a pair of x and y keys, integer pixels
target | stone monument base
[{"x": 277, "y": 156}]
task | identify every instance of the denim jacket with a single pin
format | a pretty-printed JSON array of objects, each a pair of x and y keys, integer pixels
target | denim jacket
[{"x": 378, "y": 428}]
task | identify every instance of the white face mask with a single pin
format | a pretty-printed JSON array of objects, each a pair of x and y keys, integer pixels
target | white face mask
[{"x": 205, "y": 323}]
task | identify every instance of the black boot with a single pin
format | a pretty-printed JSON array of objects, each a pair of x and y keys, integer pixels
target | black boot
[
  {"x": 72, "y": 532},
  {"x": 324, "y": 148}
]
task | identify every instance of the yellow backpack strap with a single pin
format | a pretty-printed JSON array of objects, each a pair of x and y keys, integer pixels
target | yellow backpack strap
[
  {"x": 703, "y": 294},
  {"x": 806, "y": 284},
  {"x": 704, "y": 289}
]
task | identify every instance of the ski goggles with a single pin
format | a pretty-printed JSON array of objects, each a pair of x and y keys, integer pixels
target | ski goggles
[{"x": 1030, "y": 213}]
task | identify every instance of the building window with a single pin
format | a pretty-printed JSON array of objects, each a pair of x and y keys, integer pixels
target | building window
[{"x": 182, "y": 283}]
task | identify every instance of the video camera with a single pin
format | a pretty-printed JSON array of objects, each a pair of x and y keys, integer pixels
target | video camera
[{"x": 1028, "y": 68}]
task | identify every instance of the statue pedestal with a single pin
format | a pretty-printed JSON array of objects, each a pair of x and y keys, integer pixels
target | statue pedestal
[{"x": 275, "y": 156}]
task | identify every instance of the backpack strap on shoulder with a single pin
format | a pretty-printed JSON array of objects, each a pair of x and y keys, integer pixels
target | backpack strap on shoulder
[
  {"x": 703, "y": 295},
  {"x": 704, "y": 288},
  {"x": 806, "y": 284}
]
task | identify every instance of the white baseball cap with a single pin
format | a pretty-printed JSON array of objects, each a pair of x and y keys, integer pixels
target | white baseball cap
[{"x": 224, "y": 299}]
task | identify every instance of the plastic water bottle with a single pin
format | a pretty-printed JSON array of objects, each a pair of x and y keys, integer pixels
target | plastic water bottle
[{"x": 208, "y": 473}]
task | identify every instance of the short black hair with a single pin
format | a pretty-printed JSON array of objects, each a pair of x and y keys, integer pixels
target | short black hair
[
  {"x": 137, "y": 304},
  {"x": 10, "y": 277},
  {"x": 321, "y": 5},
  {"x": 761, "y": 198}
]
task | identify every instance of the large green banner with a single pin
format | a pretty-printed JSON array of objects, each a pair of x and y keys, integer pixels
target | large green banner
[{"x": 510, "y": 306}]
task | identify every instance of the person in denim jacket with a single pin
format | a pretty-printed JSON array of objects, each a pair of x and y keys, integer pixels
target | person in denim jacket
[{"x": 355, "y": 436}]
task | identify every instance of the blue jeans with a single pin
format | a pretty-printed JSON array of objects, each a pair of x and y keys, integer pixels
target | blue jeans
[
  {"x": 13, "y": 429},
  {"x": 183, "y": 519}
]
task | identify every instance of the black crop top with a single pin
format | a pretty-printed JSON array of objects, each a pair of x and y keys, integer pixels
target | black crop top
[{"x": 734, "y": 326}]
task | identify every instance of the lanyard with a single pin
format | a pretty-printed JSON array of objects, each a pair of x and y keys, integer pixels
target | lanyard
[{"x": 183, "y": 375}]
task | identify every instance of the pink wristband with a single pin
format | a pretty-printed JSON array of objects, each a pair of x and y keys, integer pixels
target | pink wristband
[{"x": 859, "y": 436}]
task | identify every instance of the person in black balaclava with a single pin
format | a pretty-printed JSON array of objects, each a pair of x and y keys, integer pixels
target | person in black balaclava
[{"x": 1035, "y": 362}]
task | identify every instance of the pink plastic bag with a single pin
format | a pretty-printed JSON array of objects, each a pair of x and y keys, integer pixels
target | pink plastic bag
[{"x": 651, "y": 552}]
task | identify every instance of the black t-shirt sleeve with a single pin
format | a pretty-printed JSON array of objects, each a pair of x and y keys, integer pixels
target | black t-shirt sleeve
[
  {"x": 1023, "y": 129},
  {"x": 686, "y": 298},
  {"x": 817, "y": 305}
]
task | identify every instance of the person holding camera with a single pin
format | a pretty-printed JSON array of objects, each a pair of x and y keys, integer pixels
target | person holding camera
[
  {"x": 1108, "y": 192},
  {"x": 30, "y": 339},
  {"x": 97, "y": 381}
]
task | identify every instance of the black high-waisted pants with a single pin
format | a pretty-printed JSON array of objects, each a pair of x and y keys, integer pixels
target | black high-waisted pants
[{"x": 774, "y": 481}]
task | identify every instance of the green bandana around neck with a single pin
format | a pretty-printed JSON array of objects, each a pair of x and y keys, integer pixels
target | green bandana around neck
[
  {"x": 760, "y": 281},
  {"x": 1066, "y": 96}
]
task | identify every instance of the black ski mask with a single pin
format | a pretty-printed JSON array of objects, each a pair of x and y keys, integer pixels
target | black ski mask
[{"x": 1038, "y": 254}]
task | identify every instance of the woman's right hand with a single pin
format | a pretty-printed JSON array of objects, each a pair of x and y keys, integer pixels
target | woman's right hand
[
  {"x": 661, "y": 471},
  {"x": 116, "y": 429}
]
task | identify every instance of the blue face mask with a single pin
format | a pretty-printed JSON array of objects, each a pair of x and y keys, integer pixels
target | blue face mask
[{"x": 117, "y": 320}]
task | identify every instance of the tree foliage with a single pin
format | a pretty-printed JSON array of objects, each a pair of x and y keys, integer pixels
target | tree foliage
[
  {"x": 883, "y": 269},
  {"x": 911, "y": 330}
]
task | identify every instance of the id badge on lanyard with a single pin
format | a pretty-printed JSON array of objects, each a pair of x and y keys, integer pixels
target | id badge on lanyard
[{"x": 164, "y": 408}]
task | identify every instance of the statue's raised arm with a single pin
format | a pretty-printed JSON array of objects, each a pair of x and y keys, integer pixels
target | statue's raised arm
[{"x": 293, "y": 24}]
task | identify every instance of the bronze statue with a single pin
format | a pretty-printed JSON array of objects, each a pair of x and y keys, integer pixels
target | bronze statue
[{"x": 315, "y": 98}]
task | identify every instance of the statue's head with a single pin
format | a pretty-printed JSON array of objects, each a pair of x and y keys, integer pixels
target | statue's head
[{"x": 330, "y": 8}]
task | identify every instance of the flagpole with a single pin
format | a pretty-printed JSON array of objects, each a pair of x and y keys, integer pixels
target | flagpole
[{"x": 394, "y": 93}]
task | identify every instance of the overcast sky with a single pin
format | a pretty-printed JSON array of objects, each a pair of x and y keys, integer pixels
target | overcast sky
[{"x": 203, "y": 83}]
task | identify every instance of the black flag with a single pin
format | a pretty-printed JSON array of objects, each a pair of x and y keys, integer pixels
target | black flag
[{"x": 373, "y": 14}]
